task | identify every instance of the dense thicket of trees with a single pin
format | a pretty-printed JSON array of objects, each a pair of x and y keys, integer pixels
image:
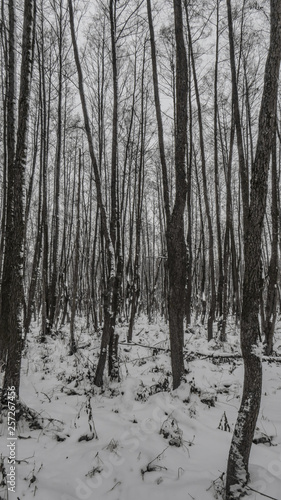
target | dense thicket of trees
[{"x": 142, "y": 177}]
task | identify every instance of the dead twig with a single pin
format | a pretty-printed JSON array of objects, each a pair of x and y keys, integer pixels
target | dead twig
[
  {"x": 152, "y": 468},
  {"x": 262, "y": 494},
  {"x": 47, "y": 396},
  {"x": 116, "y": 484},
  {"x": 146, "y": 346}
]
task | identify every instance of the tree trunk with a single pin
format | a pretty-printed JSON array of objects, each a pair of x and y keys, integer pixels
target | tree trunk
[
  {"x": 177, "y": 255},
  {"x": 237, "y": 470},
  {"x": 6, "y": 290},
  {"x": 73, "y": 347},
  {"x": 272, "y": 290},
  {"x": 139, "y": 204},
  {"x": 212, "y": 307},
  {"x": 244, "y": 176},
  {"x": 53, "y": 290},
  {"x": 176, "y": 246},
  {"x": 217, "y": 183},
  {"x": 105, "y": 230},
  {"x": 227, "y": 237},
  {"x": 36, "y": 261},
  {"x": 15, "y": 245}
]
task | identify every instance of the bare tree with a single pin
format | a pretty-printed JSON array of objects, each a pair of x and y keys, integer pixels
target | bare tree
[
  {"x": 176, "y": 245},
  {"x": 16, "y": 232},
  {"x": 237, "y": 469}
]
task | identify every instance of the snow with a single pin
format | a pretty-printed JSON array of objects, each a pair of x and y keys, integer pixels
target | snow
[{"x": 151, "y": 443}]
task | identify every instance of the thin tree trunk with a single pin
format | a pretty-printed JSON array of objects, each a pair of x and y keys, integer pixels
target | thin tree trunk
[
  {"x": 45, "y": 113},
  {"x": 104, "y": 220},
  {"x": 212, "y": 308},
  {"x": 227, "y": 237},
  {"x": 36, "y": 260},
  {"x": 272, "y": 290},
  {"x": 139, "y": 204},
  {"x": 244, "y": 176},
  {"x": 217, "y": 182},
  {"x": 189, "y": 156},
  {"x": 73, "y": 347},
  {"x": 53, "y": 290}
]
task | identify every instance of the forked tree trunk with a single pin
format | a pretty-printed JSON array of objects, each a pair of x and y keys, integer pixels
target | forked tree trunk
[
  {"x": 244, "y": 176},
  {"x": 176, "y": 245},
  {"x": 237, "y": 469}
]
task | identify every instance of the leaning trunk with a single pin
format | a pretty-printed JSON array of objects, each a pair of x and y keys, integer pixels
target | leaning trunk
[{"x": 237, "y": 470}]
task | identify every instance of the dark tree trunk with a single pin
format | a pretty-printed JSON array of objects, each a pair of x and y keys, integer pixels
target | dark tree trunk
[
  {"x": 212, "y": 308},
  {"x": 227, "y": 237},
  {"x": 6, "y": 290},
  {"x": 73, "y": 347},
  {"x": 237, "y": 470},
  {"x": 15, "y": 244},
  {"x": 139, "y": 204},
  {"x": 36, "y": 262},
  {"x": 53, "y": 289},
  {"x": 115, "y": 229},
  {"x": 244, "y": 176},
  {"x": 217, "y": 183},
  {"x": 176, "y": 245},
  {"x": 45, "y": 111},
  {"x": 272, "y": 290},
  {"x": 105, "y": 230},
  {"x": 189, "y": 155}
]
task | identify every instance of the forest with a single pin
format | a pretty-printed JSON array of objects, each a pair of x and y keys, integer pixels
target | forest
[{"x": 139, "y": 249}]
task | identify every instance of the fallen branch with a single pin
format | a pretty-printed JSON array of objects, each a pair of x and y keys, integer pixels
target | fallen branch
[
  {"x": 214, "y": 355},
  {"x": 262, "y": 494},
  {"x": 146, "y": 346},
  {"x": 230, "y": 355}
]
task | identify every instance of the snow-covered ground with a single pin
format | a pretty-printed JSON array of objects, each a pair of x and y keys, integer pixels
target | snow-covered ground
[{"x": 152, "y": 443}]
